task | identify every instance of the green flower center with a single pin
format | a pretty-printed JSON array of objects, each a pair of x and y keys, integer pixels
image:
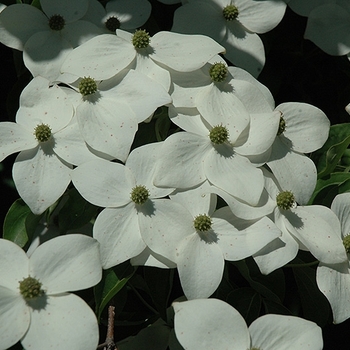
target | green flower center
[
  {"x": 202, "y": 223},
  {"x": 285, "y": 200},
  {"x": 42, "y": 132},
  {"x": 218, "y": 134},
  {"x": 346, "y": 242},
  {"x": 56, "y": 22},
  {"x": 139, "y": 194},
  {"x": 281, "y": 127},
  {"x": 112, "y": 24},
  {"x": 230, "y": 12},
  {"x": 87, "y": 86},
  {"x": 141, "y": 39},
  {"x": 30, "y": 288},
  {"x": 218, "y": 72}
]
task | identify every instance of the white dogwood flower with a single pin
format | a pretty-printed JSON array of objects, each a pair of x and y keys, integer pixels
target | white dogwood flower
[
  {"x": 234, "y": 25},
  {"x": 49, "y": 143},
  {"x": 215, "y": 325},
  {"x": 35, "y": 306},
  {"x": 333, "y": 280}
]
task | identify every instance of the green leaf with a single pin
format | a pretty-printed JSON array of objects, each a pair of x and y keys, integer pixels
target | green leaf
[
  {"x": 269, "y": 286},
  {"x": 332, "y": 151},
  {"x": 162, "y": 124},
  {"x": 338, "y": 179},
  {"x": 275, "y": 308},
  {"x": 314, "y": 304},
  {"x": 20, "y": 223},
  {"x": 247, "y": 302},
  {"x": 76, "y": 212},
  {"x": 155, "y": 337},
  {"x": 36, "y": 3},
  {"x": 109, "y": 286}
]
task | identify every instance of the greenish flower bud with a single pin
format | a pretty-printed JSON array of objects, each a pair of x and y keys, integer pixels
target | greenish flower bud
[
  {"x": 87, "y": 86},
  {"x": 202, "y": 223},
  {"x": 139, "y": 194},
  {"x": 56, "y": 22},
  {"x": 141, "y": 39},
  {"x": 282, "y": 126},
  {"x": 112, "y": 24},
  {"x": 346, "y": 242},
  {"x": 30, "y": 288},
  {"x": 218, "y": 72},
  {"x": 218, "y": 134},
  {"x": 230, "y": 12},
  {"x": 285, "y": 200},
  {"x": 42, "y": 132}
]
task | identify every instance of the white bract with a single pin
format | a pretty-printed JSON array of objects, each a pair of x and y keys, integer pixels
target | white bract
[
  {"x": 140, "y": 51},
  {"x": 312, "y": 228},
  {"x": 108, "y": 112},
  {"x": 212, "y": 324},
  {"x": 35, "y": 307},
  {"x": 328, "y": 27},
  {"x": 46, "y": 37},
  {"x": 217, "y": 143},
  {"x": 118, "y": 14},
  {"x": 334, "y": 279},
  {"x": 216, "y": 87},
  {"x": 188, "y": 231},
  {"x": 303, "y": 8},
  {"x": 303, "y": 129},
  {"x": 127, "y": 193},
  {"x": 234, "y": 25},
  {"x": 49, "y": 143}
]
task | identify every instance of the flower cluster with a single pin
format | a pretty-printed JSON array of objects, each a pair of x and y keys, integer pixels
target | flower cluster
[{"x": 229, "y": 178}]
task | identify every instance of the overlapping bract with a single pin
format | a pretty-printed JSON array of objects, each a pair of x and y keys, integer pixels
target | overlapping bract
[{"x": 160, "y": 200}]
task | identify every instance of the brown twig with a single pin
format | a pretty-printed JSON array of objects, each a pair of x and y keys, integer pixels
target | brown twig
[{"x": 109, "y": 343}]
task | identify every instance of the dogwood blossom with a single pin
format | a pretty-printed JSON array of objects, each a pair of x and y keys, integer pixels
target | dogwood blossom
[
  {"x": 108, "y": 112},
  {"x": 177, "y": 51},
  {"x": 334, "y": 279},
  {"x": 35, "y": 306},
  {"x": 328, "y": 27},
  {"x": 46, "y": 37},
  {"x": 232, "y": 24},
  {"x": 127, "y": 193},
  {"x": 214, "y": 324},
  {"x": 312, "y": 228},
  {"x": 199, "y": 241},
  {"x": 217, "y": 144},
  {"x": 303, "y": 8},
  {"x": 49, "y": 143},
  {"x": 303, "y": 129},
  {"x": 217, "y": 87},
  {"x": 118, "y": 14}
]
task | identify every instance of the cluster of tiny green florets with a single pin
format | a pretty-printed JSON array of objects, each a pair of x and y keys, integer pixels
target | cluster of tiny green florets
[
  {"x": 218, "y": 135},
  {"x": 42, "y": 132},
  {"x": 56, "y": 22},
  {"x": 285, "y": 200},
  {"x": 218, "y": 72},
  {"x": 30, "y": 288},
  {"x": 202, "y": 223},
  {"x": 282, "y": 126},
  {"x": 87, "y": 86},
  {"x": 141, "y": 39},
  {"x": 230, "y": 12},
  {"x": 346, "y": 242},
  {"x": 112, "y": 24},
  {"x": 139, "y": 194}
]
